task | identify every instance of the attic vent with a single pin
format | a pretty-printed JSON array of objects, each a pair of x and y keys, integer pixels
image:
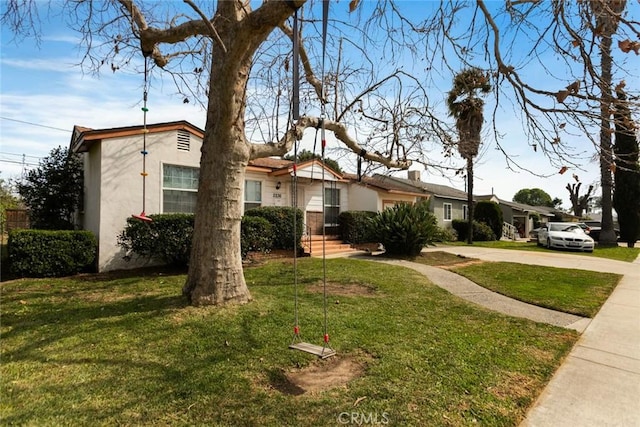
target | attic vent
[{"x": 184, "y": 140}]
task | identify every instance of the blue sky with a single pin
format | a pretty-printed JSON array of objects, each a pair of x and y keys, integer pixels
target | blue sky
[{"x": 44, "y": 94}]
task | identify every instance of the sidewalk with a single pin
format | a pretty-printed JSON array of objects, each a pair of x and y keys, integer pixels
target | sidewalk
[{"x": 599, "y": 382}]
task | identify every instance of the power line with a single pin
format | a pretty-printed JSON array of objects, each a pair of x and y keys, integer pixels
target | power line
[
  {"x": 19, "y": 155},
  {"x": 35, "y": 124}
]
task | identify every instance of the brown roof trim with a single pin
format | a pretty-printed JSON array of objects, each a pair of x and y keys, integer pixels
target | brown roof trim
[{"x": 83, "y": 137}]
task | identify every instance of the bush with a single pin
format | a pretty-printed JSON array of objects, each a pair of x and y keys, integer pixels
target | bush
[
  {"x": 281, "y": 219},
  {"x": 445, "y": 235},
  {"x": 356, "y": 226},
  {"x": 481, "y": 231},
  {"x": 49, "y": 253},
  {"x": 256, "y": 235},
  {"x": 489, "y": 213},
  {"x": 405, "y": 229},
  {"x": 167, "y": 238}
]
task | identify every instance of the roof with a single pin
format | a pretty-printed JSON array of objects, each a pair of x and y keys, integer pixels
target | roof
[
  {"x": 542, "y": 210},
  {"x": 437, "y": 190},
  {"x": 83, "y": 138},
  {"x": 381, "y": 182}
]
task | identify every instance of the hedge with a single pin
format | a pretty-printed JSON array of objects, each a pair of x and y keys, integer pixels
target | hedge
[
  {"x": 356, "y": 226},
  {"x": 51, "y": 253},
  {"x": 281, "y": 219}
]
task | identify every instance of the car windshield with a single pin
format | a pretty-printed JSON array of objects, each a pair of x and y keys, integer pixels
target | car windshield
[{"x": 564, "y": 227}]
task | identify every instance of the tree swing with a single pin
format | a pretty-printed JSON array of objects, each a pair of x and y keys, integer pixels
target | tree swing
[
  {"x": 323, "y": 351},
  {"x": 143, "y": 216}
]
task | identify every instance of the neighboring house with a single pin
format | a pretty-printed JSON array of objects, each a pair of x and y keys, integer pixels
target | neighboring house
[
  {"x": 446, "y": 203},
  {"x": 113, "y": 164},
  {"x": 519, "y": 215}
]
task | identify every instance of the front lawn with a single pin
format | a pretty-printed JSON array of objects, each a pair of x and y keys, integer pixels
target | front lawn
[
  {"x": 572, "y": 291},
  {"x": 101, "y": 350}
]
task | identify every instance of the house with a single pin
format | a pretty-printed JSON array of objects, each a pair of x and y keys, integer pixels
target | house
[
  {"x": 445, "y": 202},
  {"x": 519, "y": 216},
  {"x": 115, "y": 188}
]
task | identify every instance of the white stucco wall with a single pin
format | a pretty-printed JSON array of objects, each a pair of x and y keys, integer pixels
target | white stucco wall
[
  {"x": 120, "y": 186},
  {"x": 364, "y": 198}
]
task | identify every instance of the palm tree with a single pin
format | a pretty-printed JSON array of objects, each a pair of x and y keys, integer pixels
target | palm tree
[{"x": 466, "y": 108}]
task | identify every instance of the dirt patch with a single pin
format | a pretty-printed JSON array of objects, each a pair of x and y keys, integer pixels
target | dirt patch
[
  {"x": 319, "y": 376},
  {"x": 514, "y": 385},
  {"x": 343, "y": 289},
  {"x": 460, "y": 264}
]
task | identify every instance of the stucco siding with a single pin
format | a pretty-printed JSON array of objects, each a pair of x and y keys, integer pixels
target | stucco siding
[
  {"x": 364, "y": 199},
  {"x": 121, "y": 185}
]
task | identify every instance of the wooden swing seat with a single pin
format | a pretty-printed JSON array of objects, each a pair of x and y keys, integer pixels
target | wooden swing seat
[{"x": 318, "y": 350}]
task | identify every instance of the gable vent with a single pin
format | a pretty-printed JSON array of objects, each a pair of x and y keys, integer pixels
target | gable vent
[{"x": 184, "y": 140}]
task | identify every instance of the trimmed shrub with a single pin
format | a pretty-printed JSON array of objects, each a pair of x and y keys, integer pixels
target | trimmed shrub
[
  {"x": 167, "y": 238},
  {"x": 481, "y": 231},
  {"x": 489, "y": 213},
  {"x": 281, "y": 219},
  {"x": 51, "y": 253},
  {"x": 405, "y": 229},
  {"x": 356, "y": 226},
  {"x": 445, "y": 235},
  {"x": 256, "y": 235}
]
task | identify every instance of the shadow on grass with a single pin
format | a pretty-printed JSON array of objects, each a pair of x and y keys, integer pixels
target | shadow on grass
[{"x": 68, "y": 319}]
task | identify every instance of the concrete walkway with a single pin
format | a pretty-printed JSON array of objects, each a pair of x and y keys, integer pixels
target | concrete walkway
[
  {"x": 466, "y": 289},
  {"x": 599, "y": 382}
]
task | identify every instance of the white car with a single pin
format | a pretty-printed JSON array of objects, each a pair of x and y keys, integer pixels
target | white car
[{"x": 565, "y": 235}]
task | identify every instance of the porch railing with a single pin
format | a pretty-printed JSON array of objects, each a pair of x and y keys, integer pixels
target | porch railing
[{"x": 509, "y": 231}]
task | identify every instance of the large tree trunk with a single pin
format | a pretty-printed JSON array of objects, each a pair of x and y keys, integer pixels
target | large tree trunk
[
  {"x": 607, "y": 234},
  {"x": 608, "y": 27},
  {"x": 215, "y": 272}
]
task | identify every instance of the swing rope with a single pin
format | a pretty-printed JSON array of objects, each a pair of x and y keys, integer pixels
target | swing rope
[
  {"x": 325, "y": 19},
  {"x": 326, "y": 350},
  {"x": 143, "y": 216}
]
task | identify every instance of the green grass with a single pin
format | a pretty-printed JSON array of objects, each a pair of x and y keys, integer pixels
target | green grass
[
  {"x": 97, "y": 350},
  {"x": 617, "y": 252},
  {"x": 572, "y": 291}
]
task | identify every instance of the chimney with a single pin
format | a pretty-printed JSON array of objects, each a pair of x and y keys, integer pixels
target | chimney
[{"x": 413, "y": 175}]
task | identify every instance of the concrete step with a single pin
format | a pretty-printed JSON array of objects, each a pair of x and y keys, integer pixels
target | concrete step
[{"x": 332, "y": 245}]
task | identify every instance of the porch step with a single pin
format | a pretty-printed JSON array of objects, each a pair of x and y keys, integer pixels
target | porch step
[{"x": 332, "y": 245}]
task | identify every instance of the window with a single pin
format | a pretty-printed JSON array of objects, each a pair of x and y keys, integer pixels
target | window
[
  {"x": 447, "y": 211},
  {"x": 184, "y": 140},
  {"x": 331, "y": 206},
  {"x": 179, "y": 188},
  {"x": 252, "y": 194},
  {"x": 465, "y": 212}
]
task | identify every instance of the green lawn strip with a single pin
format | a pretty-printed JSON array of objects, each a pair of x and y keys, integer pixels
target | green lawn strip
[
  {"x": 617, "y": 252},
  {"x": 572, "y": 291},
  {"x": 80, "y": 351}
]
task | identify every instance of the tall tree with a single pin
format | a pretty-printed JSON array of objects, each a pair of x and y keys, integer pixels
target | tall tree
[
  {"x": 579, "y": 203},
  {"x": 466, "y": 108},
  {"x": 626, "y": 194},
  {"x": 577, "y": 38},
  {"x": 534, "y": 197},
  {"x": 240, "y": 53},
  {"x": 53, "y": 190},
  {"x": 607, "y": 15}
]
